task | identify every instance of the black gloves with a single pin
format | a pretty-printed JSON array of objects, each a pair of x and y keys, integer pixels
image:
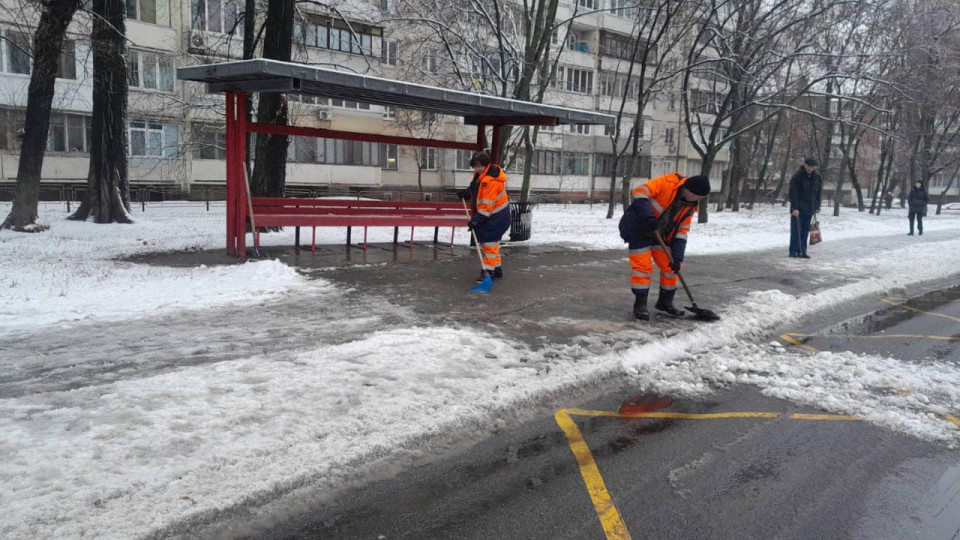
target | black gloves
[
  {"x": 473, "y": 223},
  {"x": 675, "y": 266},
  {"x": 464, "y": 194},
  {"x": 648, "y": 224}
]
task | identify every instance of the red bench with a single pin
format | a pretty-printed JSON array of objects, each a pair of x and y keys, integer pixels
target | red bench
[{"x": 282, "y": 212}]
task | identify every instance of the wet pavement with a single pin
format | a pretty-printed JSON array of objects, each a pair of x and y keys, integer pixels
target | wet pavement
[
  {"x": 669, "y": 478},
  {"x": 818, "y": 476}
]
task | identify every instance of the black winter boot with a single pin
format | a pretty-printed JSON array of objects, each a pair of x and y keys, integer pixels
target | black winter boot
[
  {"x": 640, "y": 306},
  {"x": 497, "y": 273},
  {"x": 665, "y": 303},
  {"x": 484, "y": 274}
]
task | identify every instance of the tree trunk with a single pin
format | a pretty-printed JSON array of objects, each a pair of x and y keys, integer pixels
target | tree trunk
[
  {"x": 528, "y": 145},
  {"x": 784, "y": 167},
  {"x": 47, "y": 42},
  {"x": 270, "y": 163},
  {"x": 767, "y": 153},
  {"x": 108, "y": 184},
  {"x": 943, "y": 195},
  {"x": 704, "y": 210}
]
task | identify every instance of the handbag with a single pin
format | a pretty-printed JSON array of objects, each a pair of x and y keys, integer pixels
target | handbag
[{"x": 815, "y": 236}]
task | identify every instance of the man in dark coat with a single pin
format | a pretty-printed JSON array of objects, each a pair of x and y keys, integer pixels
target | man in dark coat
[
  {"x": 918, "y": 201},
  {"x": 805, "y": 189}
]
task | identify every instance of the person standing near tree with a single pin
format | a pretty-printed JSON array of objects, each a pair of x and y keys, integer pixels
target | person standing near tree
[
  {"x": 918, "y": 201},
  {"x": 805, "y": 190}
]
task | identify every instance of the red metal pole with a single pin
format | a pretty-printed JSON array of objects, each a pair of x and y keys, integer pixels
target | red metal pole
[
  {"x": 240, "y": 139},
  {"x": 231, "y": 100}
]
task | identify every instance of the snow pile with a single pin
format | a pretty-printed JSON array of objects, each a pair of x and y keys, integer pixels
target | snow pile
[
  {"x": 133, "y": 456},
  {"x": 690, "y": 363},
  {"x": 68, "y": 273},
  {"x": 765, "y": 227}
]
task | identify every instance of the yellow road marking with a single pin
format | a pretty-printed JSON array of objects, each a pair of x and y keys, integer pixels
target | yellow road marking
[
  {"x": 610, "y": 520},
  {"x": 613, "y": 526},
  {"x": 686, "y": 416},
  {"x": 799, "y": 416},
  {"x": 791, "y": 339},
  {"x": 915, "y": 310}
]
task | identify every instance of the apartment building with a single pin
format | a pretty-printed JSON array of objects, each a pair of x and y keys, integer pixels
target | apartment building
[{"x": 175, "y": 130}]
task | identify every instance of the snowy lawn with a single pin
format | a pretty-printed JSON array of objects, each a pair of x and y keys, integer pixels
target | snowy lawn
[
  {"x": 764, "y": 227},
  {"x": 67, "y": 273}
]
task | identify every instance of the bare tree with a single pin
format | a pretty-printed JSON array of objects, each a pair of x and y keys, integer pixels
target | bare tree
[
  {"x": 108, "y": 186},
  {"x": 740, "y": 50},
  {"x": 55, "y": 16}
]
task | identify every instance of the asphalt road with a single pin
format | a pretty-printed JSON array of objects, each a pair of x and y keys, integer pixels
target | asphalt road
[{"x": 685, "y": 477}]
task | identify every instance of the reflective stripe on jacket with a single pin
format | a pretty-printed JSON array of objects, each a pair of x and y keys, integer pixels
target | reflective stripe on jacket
[{"x": 652, "y": 199}]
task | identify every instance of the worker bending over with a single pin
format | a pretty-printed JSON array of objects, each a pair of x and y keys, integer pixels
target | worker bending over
[{"x": 665, "y": 204}]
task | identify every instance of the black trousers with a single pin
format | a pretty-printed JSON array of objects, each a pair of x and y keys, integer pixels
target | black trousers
[{"x": 919, "y": 217}]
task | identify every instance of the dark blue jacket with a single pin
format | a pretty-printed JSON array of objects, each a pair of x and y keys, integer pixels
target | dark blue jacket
[
  {"x": 805, "y": 189},
  {"x": 918, "y": 201}
]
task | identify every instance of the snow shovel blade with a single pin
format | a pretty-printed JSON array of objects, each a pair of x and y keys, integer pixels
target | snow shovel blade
[
  {"x": 703, "y": 314},
  {"x": 485, "y": 285}
]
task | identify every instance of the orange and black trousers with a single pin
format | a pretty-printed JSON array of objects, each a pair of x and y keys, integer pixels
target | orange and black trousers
[{"x": 643, "y": 255}]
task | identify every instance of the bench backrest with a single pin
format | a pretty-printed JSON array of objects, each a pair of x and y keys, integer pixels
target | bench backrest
[{"x": 265, "y": 203}]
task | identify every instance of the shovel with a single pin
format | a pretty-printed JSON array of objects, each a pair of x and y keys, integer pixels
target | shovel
[
  {"x": 698, "y": 312},
  {"x": 487, "y": 282}
]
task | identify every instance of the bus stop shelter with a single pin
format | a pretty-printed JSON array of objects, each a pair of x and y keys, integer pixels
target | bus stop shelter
[{"x": 237, "y": 80}]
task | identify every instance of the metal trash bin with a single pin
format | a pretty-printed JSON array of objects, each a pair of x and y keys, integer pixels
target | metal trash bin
[{"x": 521, "y": 218}]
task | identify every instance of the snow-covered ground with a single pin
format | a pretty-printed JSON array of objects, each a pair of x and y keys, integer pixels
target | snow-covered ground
[
  {"x": 764, "y": 227},
  {"x": 68, "y": 273},
  {"x": 142, "y": 454}
]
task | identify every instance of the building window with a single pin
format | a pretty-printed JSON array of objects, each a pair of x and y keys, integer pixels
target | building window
[
  {"x": 576, "y": 163},
  {"x": 546, "y": 162},
  {"x": 149, "y": 11},
  {"x": 624, "y": 8},
  {"x": 580, "y": 129},
  {"x": 428, "y": 159},
  {"x": 225, "y": 16},
  {"x": 67, "y": 69},
  {"x": 579, "y": 81},
  {"x": 429, "y": 62},
  {"x": 209, "y": 142},
  {"x": 668, "y": 136},
  {"x": 18, "y": 56},
  {"x": 150, "y": 71},
  {"x": 463, "y": 160},
  {"x": 152, "y": 139},
  {"x": 389, "y": 153},
  {"x": 589, "y": 4},
  {"x": 672, "y": 102},
  {"x": 68, "y": 133},
  {"x": 389, "y": 113},
  {"x": 333, "y": 151},
  {"x": 391, "y": 52},
  {"x": 326, "y": 34},
  {"x": 346, "y": 104}
]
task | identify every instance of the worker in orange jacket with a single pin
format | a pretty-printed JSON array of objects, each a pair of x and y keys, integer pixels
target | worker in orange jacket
[
  {"x": 491, "y": 211},
  {"x": 665, "y": 204}
]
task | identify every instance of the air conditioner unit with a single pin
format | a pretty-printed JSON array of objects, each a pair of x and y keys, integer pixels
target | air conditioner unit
[
  {"x": 199, "y": 41},
  {"x": 672, "y": 148},
  {"x": 324, "y": 115}
]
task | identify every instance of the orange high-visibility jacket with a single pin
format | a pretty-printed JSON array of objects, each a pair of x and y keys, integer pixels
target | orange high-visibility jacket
[
  {"x": 490, "y": 203},
  {"x": 653, "y": 198}
]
